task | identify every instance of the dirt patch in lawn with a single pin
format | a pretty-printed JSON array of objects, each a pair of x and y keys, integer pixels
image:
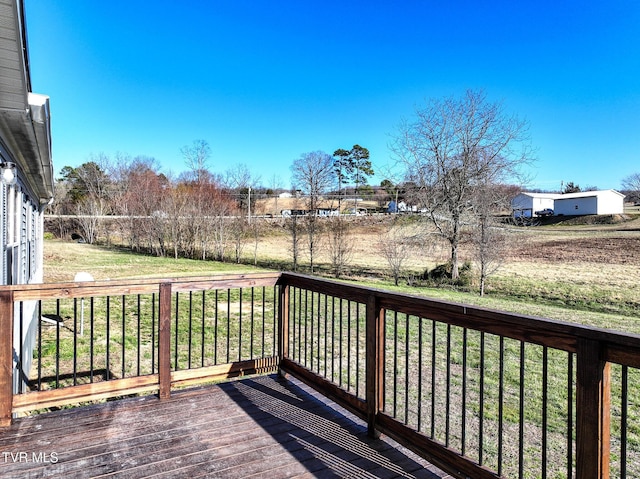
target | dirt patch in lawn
[{"x": 609, "y": 250}]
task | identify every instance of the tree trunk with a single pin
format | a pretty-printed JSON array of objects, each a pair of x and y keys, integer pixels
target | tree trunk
[{"x": 455, "y": 273}]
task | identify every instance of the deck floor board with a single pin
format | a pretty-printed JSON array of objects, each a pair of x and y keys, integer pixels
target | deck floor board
[{"x": 261, "y": 427}]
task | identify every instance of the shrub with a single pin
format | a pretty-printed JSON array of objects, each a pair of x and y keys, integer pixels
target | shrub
[{"x": 440, "y": 275}]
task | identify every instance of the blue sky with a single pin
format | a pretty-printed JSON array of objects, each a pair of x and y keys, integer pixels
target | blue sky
[{"x": 265, "y": 81}]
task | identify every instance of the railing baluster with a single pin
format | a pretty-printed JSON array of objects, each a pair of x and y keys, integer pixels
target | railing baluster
[
  {"x": 420, "y": 366},
  {"x": 190, "y": 337},
  {"x": 463, "y": 432},
  {"x": 153, "y": 333},
  {"x": 349, "y": 383},
  {"x": 296, "y": 323},
  {"x": 75, "y": 341},
  {"x": 138, "y": 335},
  {"x": 333, "y": 337},
  {"x": 276, "y": 309},
  {"x": 305, "y": 312},
  {"x": 20, "y": 365},
  {"x": 319, "y": 340},
  {"x": 624, "y": 406},
  {"x": 406, "y": 368},
  {"x": 326, "y": 335},
  {"x": 340, "y": 345},
  {"x": 215, "y": 329},
  {"x": 481, "y": 397},
  {"x": 264, "y": 319},
  {"x": 124, "y": 335},
  {"x": 545, "y": 401},
  {"x": 228, "y": 325},
  {"x": 358, "y": 349},
  {"x": 500, "y": 403},
  {"x": 91, "y": 336},
  {"x": 433, "y": 378},
  {"x": 240, "y": 325},
  {"x": 395, "y": 364},
  {"x": 521, "y": 413},
  {"x": 176, "y": 332},
  {"x": 251, "y": 319},
  {"x": 570, "y": 412},
  {"x": 447, "y": 409},
  {"x": 203, "y": 329},
  {"x": 311, "y": 313},
  {"x": 58, "y": 343},
  {"x": 39, "y": 316},
  {"x": 108, "y": 351}
]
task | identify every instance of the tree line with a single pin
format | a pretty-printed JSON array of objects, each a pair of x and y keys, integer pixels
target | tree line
[{"x": 457, "y": 160}]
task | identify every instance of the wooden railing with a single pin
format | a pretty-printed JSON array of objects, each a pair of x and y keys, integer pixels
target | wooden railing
[
  {"x": 105, "y": 339},
  {"x": 480, "y": 393}
]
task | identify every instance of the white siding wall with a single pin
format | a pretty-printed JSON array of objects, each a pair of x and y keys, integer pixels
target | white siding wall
[
  {"x": 577, "y": 206},
  {"x": 610, "y": 203},
  {"x": 21, "y": 263}
]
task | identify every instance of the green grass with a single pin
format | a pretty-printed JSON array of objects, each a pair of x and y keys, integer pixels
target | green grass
[
  {"x": 63, "y": 260},
  {"x": 578, "y": 302}
]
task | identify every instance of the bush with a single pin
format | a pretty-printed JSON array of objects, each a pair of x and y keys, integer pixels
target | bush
[
  {"x": 441, "y": 275},
  {"x": 49, "y": 236}
]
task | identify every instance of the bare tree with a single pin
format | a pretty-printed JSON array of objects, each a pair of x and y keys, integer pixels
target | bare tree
[
  {"x": 275, "y": 183},
  {"x": 239, "y": 230},
  {"x": 293, "y": 226},
  {"x": 314, "y": 174},
  {"x": 257, "y": 228},
  {"x": 240, "y": 179},
  {"x": 196, "y": 157},
  {"x": 89, "y": 217},
  {"x": 453, "y": 145},
  {"x": 395, "y": 246},
  {"x": 137, "y": 198},
  {"x": 91, "y": 189},
  {"x": 631, "y": 184},
  {"x": 489, "y": 238},
  {"x": 340, "y": 244}
]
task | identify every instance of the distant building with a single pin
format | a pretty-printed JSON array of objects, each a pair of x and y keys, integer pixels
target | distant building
[
  {"x": 604, "y": 202},
  {"x": 524, "y": 204},
  {"x": 601, "y": 202}
]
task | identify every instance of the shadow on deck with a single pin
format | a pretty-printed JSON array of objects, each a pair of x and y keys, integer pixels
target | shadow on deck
[{"x": 261, "y": 426}]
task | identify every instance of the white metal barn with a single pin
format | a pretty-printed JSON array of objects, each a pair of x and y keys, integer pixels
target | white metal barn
[
  {"x": 603, "y": 202},
  {"x": 526, "y": 204}
]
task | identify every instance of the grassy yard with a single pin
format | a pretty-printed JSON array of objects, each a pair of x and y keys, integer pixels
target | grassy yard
[
  {"x": 583, "y": 273},
  {"x": 63, "y": 259},
  {"x": 586, "y": 274}
]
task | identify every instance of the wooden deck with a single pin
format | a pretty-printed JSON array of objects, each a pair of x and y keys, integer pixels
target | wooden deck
[{"x": 262, "y": 427}]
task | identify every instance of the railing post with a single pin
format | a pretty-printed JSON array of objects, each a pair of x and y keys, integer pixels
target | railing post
[
  {"x": 593, "y": 412},
  {"x": 374, "y": 362},
  {"x": 164, "y": 341},
  {"x": 6, "y": 357},
  {"x": 283, "y": 323}
]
